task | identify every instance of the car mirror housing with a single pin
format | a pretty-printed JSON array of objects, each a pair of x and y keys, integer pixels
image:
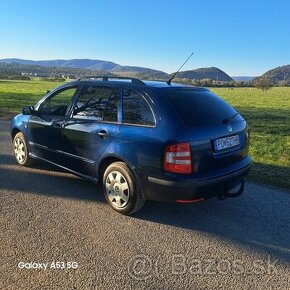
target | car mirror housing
[{"x": 28, "y": 110}]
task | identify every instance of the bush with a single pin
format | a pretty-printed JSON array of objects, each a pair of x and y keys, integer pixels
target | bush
[{"x": 264, "y": 84}]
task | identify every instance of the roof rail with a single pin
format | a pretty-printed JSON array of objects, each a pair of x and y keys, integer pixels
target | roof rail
[{"x": 106, "y": 79}]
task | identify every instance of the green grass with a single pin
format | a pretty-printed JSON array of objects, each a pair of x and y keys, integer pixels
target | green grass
[
  {"x": 268, "y": 115},
  {"x": 14, "y": 95}
]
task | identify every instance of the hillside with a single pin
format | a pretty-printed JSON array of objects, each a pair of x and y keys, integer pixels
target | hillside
[
  {"x": 122, "y": 70},
  {"x": 212, "y": 73},
  {"x": 15, "y": 69},
  {"x": 81, "y": 67},
  {"x": 278, "y": 75},
  {"x": 91, "y": 64},
  {"x": 146, "y": 74},
  {"x": 75, "y": 63}
]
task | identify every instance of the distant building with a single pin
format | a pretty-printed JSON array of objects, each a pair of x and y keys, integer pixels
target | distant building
[{"x": 29, "y": 74}]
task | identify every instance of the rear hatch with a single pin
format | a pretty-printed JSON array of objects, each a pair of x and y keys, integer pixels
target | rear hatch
[{"x": 217, "y": 133}]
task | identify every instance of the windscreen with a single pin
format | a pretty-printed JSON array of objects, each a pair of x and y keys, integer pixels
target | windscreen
[{"x": 199, "y": 108}]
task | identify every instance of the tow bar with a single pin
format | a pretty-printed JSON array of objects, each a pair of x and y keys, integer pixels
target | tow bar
[{"x": 227, "y": 193}]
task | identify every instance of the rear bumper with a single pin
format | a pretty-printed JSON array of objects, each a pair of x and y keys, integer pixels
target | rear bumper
[{"x": 199, "y": 187}]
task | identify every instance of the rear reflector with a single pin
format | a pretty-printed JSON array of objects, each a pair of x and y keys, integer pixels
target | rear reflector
[
  {"x": 177, "y": 158},
  {"x": 190, "y": 200}
]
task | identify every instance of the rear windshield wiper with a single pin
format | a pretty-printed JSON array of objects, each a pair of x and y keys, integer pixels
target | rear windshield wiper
[{"x": 227, "y": 120}]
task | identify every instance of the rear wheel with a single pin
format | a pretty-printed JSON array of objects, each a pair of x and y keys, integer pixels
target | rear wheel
[
  {"x": 21, "y": 152},
  {"x": 121, "y": 189}
]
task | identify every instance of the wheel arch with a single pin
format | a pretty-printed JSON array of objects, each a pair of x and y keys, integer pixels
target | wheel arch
[
  {"x": 106, "y": 161},
  {"x": 14, "y": 132}
]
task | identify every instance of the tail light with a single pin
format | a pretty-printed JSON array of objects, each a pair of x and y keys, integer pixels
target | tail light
[{"x": 177, "y": 158}]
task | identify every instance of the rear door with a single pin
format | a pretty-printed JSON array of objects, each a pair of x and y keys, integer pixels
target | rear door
[
  {"x": 93, "y": 125},
  {"x": 138, "y": 131}
]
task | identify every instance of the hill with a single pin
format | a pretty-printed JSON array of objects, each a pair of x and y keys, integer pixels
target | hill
[
  {"x": 279, "y": 75},
  {"x": 212, "y": 73},
  {"x": 16, "y": 71},
  {"x": 75, "y": 63},
  {"x": 81, "y": 67},
  {"x": 141, "y": 73},
  {"x": 91, "y": 64},
  {"x": 122, "y": 70}
]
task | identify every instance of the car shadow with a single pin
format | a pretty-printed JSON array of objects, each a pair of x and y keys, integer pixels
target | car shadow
[{"x": 46, "y": 179}]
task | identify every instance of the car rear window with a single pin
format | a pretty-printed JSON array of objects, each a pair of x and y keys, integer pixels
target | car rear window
[{"x": 199, "y": 107}]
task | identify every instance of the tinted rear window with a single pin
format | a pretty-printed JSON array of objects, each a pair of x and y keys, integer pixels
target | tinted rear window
[
  {"x": 136, "y": 110},
  {"x": 199, "y": 108}
]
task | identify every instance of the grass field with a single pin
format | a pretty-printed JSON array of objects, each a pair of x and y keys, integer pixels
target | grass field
[
  {"x": 268, "y": 115},
  {"x": 14, "y": 95}
]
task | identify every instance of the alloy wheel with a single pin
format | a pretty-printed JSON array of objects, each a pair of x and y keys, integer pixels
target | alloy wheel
[{"x": 19, "y": 150}]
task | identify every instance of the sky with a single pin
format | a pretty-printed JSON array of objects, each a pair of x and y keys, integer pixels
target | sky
[{"x": 239, "y": 37}]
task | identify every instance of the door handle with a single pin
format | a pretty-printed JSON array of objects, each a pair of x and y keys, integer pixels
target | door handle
[
  {"x": 58, "y": 125},
  {"x": 103, "y": 134}
]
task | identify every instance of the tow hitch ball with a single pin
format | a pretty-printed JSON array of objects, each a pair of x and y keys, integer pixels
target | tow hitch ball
[{"x": 230, "y": 191}]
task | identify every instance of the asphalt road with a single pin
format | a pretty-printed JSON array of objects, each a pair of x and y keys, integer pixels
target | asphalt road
[{"x": 47, "y": 215}]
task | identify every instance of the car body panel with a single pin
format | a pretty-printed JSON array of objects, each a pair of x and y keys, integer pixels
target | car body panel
[
  {"x": 45, "y": 138},
  {"x": 81, "y": 144}
]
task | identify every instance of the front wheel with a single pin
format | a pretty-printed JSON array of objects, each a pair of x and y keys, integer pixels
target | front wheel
[
  {"x": 21, "y": 150},
  {"x": 121, "y": 189}
]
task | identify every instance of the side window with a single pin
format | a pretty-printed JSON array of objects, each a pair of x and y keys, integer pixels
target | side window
[
  {"x": 111, "y": 111},
  {"x": 58, "y": 104},
  {"x": 136, "y": 110},
  {"x": 96, "y": 102}
]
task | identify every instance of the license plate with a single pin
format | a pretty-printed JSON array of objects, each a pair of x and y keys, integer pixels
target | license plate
[{"x": 227, "y": 142}]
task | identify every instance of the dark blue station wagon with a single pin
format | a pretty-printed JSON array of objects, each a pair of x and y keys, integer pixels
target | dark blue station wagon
[{"x": 140, "y": 139}]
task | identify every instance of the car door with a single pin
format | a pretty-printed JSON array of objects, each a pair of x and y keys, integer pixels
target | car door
[
  {"x": 93, "y": 125},
  {"x": 44, "y": 126}
]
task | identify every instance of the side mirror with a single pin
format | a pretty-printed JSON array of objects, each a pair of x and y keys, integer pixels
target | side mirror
[{"x": 28, "y": 110}]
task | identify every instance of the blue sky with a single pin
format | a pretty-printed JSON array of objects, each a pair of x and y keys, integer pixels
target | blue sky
[{"x": 240, "y": 37}]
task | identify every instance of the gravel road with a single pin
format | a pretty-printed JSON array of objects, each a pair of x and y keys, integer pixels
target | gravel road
[{"x": 49, "y": 216}]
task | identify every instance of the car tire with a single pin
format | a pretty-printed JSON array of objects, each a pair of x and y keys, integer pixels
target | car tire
[
  {"x": 21, "y": 151},
  {"x": 121, "y": 189}
]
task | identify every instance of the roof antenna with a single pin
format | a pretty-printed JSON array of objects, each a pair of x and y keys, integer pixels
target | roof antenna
[{"x": 174, "y": 75}]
